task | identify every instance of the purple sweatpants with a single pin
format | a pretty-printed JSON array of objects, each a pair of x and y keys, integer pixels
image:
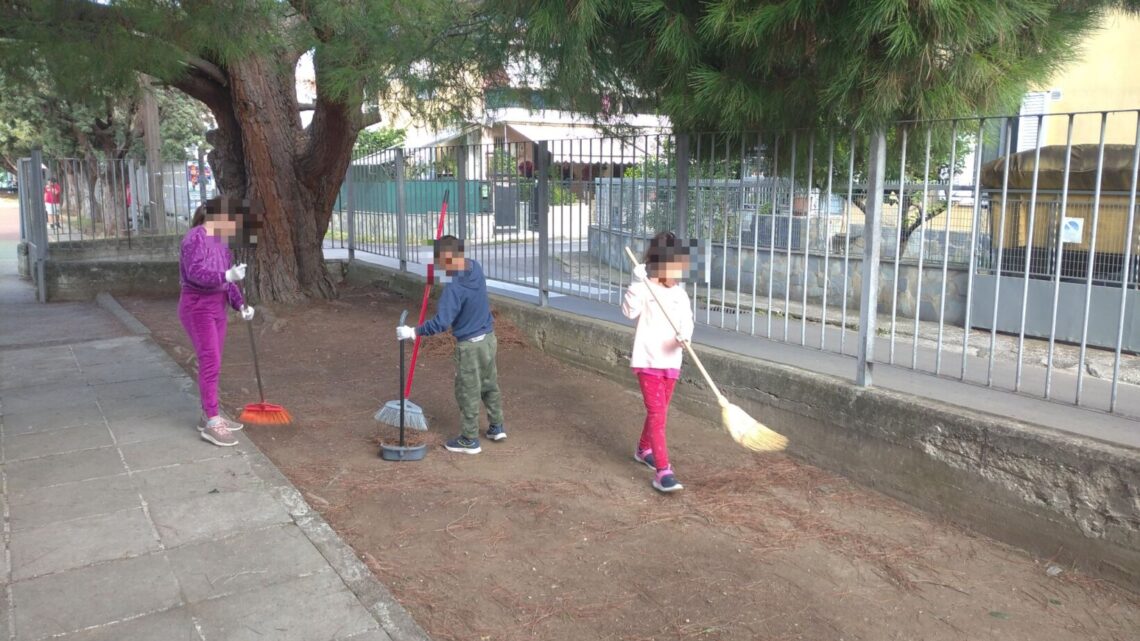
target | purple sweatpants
[{"x": 204, "y": 317}]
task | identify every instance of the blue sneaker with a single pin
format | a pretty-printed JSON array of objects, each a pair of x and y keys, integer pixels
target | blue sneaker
[
  {"x": 646, "y": 457},
  {"x": 463, "y": 445},
  {"x": 666, "y": 482},
  {"x": 496, "y": 433}
]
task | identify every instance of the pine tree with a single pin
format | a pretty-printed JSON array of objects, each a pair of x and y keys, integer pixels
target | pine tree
[
  {"x": 239, "y": 58},
  {"x": 744, "y": 65}
]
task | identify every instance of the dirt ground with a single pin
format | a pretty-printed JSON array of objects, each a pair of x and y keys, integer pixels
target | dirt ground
[{"x": 556, "y": 534}]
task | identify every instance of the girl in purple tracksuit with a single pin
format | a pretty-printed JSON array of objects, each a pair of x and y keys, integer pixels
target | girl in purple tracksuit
[{"x": 208, "y": 281}]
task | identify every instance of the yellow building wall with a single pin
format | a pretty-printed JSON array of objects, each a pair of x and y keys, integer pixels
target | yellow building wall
[{"x": 1105, "y": 77}]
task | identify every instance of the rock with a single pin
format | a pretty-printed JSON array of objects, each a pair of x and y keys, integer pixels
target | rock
[
  {"x": 1053, "y": 570},
  {"x": 1093, "y": 370},
  {"x": 279, "y": 324}
]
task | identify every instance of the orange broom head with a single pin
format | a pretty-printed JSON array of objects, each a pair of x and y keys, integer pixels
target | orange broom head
[{"x": 265, "y": 414}]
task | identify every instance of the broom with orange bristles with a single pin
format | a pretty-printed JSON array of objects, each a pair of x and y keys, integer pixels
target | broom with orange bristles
[{"x": 262, "y": 413}]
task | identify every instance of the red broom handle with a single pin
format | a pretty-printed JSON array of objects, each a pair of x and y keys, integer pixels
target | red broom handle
[{"x": 427, "y": 294}]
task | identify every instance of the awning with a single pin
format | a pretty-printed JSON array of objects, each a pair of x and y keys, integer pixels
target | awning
[{"x": 584, "y": 144}]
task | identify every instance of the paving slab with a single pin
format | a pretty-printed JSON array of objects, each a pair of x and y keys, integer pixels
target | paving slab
[
  {"x": 130, "y": 390},
  {"x": 52, "y": 418},
  {"x": 172, "y": 625},
  {"x": 246, "y": 561},
  {"x": 129, "y": 431},
  {"x": 119, "y": 515},
  {"x": 95, "y": 595},
  {"x": 47, "y": 443},
  {"x": 36, "y": 324},
  {"x": 151, "y": 405},
  {"x": 315, "y": 608},
  {"x": 130, "y": 370},
  {"x": 81, "y": 542},
  {"x": 189, "y": 480},
  {"x": 38, "y": 507},
  {"x": 46, "y": 399},
  {"x": 182, "y": 445},
  {"x": 38, "y": 356},
  {"x": 63, "y": 468},
  {"x": 36, "y": 378},
  {"x": 114, "y": 350},
  {"x": 216, "y": 515},
  {"x": 371, "y": 635}
]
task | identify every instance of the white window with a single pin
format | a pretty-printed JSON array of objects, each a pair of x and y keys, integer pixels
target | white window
[{"x": 1032, "y": 105}]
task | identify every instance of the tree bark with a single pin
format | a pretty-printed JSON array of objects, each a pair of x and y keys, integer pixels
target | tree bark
[{"x": 290, "y": 176}]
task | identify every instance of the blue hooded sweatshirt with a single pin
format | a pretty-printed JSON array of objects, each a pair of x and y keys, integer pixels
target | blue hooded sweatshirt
[{"x": 464, "y": 307}]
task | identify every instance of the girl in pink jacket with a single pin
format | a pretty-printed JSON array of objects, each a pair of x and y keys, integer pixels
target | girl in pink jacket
[
  {"x": 657, "y": 348},
  {"x": 208, "y": 281}
]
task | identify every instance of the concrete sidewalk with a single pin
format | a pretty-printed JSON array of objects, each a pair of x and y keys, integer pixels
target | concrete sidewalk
[{"x": 121, "y": 524}]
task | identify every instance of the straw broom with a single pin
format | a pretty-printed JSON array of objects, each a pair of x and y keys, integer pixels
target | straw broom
[{"x": 744, "y": 429}]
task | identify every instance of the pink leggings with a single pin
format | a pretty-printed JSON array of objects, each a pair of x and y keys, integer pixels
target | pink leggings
[
  {"x": 204, "y": 317},
  {"x": 657, "y": 391}
]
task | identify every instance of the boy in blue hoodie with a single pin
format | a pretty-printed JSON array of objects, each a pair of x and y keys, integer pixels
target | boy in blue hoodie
[{"x": 465, "y": 309}]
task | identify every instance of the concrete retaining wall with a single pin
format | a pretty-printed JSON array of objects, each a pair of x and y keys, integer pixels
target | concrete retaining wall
[
  {"x": 82, "y": 280},
  {"x": 1046, "y": 492},
  {"x": 138, "y": 248}
]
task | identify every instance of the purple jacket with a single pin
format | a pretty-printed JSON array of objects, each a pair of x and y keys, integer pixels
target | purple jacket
[{"x": 203, "y": 264}]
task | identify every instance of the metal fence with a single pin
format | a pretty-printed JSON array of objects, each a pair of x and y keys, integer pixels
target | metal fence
[
  {"x": 86, "y": 200},
  {"x": 934, "y": 246}
]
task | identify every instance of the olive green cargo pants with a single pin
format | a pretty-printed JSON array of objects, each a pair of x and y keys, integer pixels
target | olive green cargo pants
[{"x": 477, "y": 382}]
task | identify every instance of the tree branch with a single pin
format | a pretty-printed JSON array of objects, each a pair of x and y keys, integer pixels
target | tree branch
[
  {"x": 368, "y": 119},
  {"x": 208, "y": 69}
]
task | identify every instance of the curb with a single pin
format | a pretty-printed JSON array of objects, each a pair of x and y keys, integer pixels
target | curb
[
  {"x": 108, "y": 302},
  {"x": 394, "y": 620}
]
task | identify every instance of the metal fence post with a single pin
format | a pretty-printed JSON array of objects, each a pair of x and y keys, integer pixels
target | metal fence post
[
  {"x": 39, "y": 222},
  {"x": 22, "y": 197},
  {"x": 872, "y": 251},
  {"x": 542, "y": 201},
  {"x": 681, "y": 201},
  {"x": 461, "y": 155},
  {"x": 401, "y": 213},
  {"x": 350, "y": 202},
  {"x": 202, "y": 193}
]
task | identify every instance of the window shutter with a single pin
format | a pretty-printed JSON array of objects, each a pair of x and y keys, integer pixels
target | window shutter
[{"x": 1032, "y": 105}]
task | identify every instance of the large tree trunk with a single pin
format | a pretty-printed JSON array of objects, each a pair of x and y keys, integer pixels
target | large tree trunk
[{"x": 264, "y": 155}]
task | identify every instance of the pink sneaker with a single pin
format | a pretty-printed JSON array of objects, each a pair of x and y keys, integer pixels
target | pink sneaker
[{"x": 217, "y": 433}]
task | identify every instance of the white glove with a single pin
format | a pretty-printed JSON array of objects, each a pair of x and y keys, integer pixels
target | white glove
[
  {"x": 404, "y": 333},
  {"x": 246, "y": 312},
  {"x": 681, "y": 339},
  {"x": 639, "y": 274},
  {"x": 235, "y": 273}
]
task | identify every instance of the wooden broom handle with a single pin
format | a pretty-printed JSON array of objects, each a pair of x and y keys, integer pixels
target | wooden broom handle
[{"x": 696, "y": 359}]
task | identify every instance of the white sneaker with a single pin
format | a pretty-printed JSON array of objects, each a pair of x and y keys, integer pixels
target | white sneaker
[
  {"x": 218, "y": 434},
  {"x": 231, "y": 424}
]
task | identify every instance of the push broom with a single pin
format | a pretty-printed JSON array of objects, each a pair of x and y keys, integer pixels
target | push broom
[
  {"x": 412, "y": 414},
  {"x": 744, "y": 429},
  {"x": 261, "y": 413}
]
